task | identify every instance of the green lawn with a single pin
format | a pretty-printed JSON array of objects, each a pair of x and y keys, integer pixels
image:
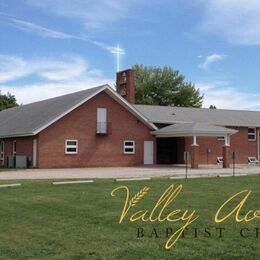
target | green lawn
[
  {"x": 41, "y": 221},
  {"x": 4, "y": 169}
]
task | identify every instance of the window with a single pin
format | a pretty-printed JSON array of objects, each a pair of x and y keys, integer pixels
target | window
[
  {"x": 221, "y": 138},
  {"x": 129, "y": 147},
  {"x": 2, "y": 150},
  {"x": 71, "y": 146},
  {"x": 101, "y": 121},
  {"x": 251, "y": 134},
  {"x": 14, "y": 147}
]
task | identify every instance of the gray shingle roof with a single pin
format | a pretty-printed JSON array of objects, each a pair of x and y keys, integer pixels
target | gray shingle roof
[
  {"x": 190, "y": 129},
  {"x": 26, "y": 119},
  {"x": 222, "y": 117}
]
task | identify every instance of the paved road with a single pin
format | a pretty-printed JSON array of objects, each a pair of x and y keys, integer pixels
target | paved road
[{"x": 123, "y": 172}]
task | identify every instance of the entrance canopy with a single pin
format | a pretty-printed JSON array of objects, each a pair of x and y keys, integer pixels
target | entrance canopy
[
  {"x": 193, "y": 129},
  {"x": 198, "y": 130}
]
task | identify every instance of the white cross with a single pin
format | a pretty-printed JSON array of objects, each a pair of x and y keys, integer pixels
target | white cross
[{"x": 118, "y": 51}]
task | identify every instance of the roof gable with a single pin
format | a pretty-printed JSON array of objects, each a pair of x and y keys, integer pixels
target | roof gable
[{"x": 31, "y": 119}]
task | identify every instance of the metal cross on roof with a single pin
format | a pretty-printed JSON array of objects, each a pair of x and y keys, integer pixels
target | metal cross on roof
[{"x": 118, "y": 51}]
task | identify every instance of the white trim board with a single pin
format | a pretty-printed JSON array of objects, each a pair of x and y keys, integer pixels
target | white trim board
[
  {"x": 10, "y": 185},
  {"x": 71, "y": 182},
  {"x": 112, "y": 93},
  {"x": 129, "y": 107},
  {"x": 225, "y": 175},
  {"x": 134, "y": 179},
  {"x": 36, "y": 131}
]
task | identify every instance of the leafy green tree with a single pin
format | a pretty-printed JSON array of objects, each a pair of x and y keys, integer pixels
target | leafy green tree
[
  {"x": 7, "y": 101},
  {"x": 164, "y": 86}
]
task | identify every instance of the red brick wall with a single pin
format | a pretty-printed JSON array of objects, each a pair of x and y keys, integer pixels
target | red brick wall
[
  {"x": 24, "y": 146},
  {"x": 94, "y": 150},
  {"x": 238, "y": 143},
  {"x": 108, "y": 150}
]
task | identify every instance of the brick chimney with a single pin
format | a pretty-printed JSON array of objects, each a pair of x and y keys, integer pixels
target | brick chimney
[{"x": 125, "y": 84}]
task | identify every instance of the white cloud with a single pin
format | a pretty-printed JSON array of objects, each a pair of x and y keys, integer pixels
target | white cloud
[
  {"x": 235, "y": 20},
  {"x": 56, "y": 70},
  {"x": 59, "y": 69},
  {"x": 95, "y": 14},
  {"x": 43, "y": 31},
  {"x": 50, "y": 33},
  {"x": 222, "y": 95},
  {"x": 211, "y": 59},
  {"x": 35, "y": 92},
  {"x": 12, "y": 67},
  {"x": 56, "y": 76}
]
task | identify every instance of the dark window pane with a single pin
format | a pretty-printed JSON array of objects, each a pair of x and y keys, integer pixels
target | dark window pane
[
  {"x": 71, "y": 143},
  {"x": 129, "y": 143},
  {"x": 251, "y": 130},
  {"x": 71, "y": 149},
  {"x": 251, "y": 137},
  {"x": 129, "y": 150}
]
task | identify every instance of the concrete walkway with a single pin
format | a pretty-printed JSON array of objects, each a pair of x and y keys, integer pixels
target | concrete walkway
[{"x": 126, "y": 172}]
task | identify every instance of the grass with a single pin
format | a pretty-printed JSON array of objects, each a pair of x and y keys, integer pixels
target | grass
[
  {"x": 4, "y": 169},
  {"x": 80, "y": 221}
]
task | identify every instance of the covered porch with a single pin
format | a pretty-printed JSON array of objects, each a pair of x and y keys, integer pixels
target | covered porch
[{"x": 171, "y": 142}]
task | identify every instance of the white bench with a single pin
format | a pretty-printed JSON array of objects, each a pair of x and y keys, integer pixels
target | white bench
[
  {"x": 219, "y": 160},
  {"x": 252, "y": 160}
]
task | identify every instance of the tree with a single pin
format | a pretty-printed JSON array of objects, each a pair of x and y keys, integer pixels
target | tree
[
  {"x": 164, "y": 86},
  {"x": 7, "y": 101},
  {"x": 212, "y": 107}
]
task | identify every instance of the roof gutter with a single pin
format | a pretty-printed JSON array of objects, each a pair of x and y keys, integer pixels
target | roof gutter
[
  {"x": 193, "y": 133},
  {"x": 17, "y": 135}
]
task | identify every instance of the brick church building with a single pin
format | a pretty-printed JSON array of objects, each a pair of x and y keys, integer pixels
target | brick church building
[{"x": 104, "y": 127}]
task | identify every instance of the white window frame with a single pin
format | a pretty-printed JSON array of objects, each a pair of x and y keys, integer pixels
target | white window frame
[
  {"x": 71, "y": 146},
  {"x": 14, "y": 146},
  {"x": 2, "y": 150},
  {"x": 221, "y": 138},
  {"x": 129, "y": 146},
  {"x": 251, "y": 134}
]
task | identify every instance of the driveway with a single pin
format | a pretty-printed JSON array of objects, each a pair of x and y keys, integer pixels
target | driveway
[{"x": 125, "y": 172}]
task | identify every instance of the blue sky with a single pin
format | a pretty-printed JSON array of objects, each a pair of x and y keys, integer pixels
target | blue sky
[{"x": 49, "y": 48}]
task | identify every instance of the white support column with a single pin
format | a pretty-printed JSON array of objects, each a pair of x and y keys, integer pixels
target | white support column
[
  {"x": 34, "y": 159},
  {"x": 227, "y": 140},
  {"x": 194, "y": 141},
  {"x": 195, "y": 153}
]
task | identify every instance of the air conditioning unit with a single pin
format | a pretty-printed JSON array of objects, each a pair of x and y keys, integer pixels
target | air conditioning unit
[
  {"x": 18, "y": 161},
  {"x": 10, "y": 162}
]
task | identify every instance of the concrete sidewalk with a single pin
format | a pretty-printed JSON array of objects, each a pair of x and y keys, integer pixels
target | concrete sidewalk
[{"x": 126, "y": 172}]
